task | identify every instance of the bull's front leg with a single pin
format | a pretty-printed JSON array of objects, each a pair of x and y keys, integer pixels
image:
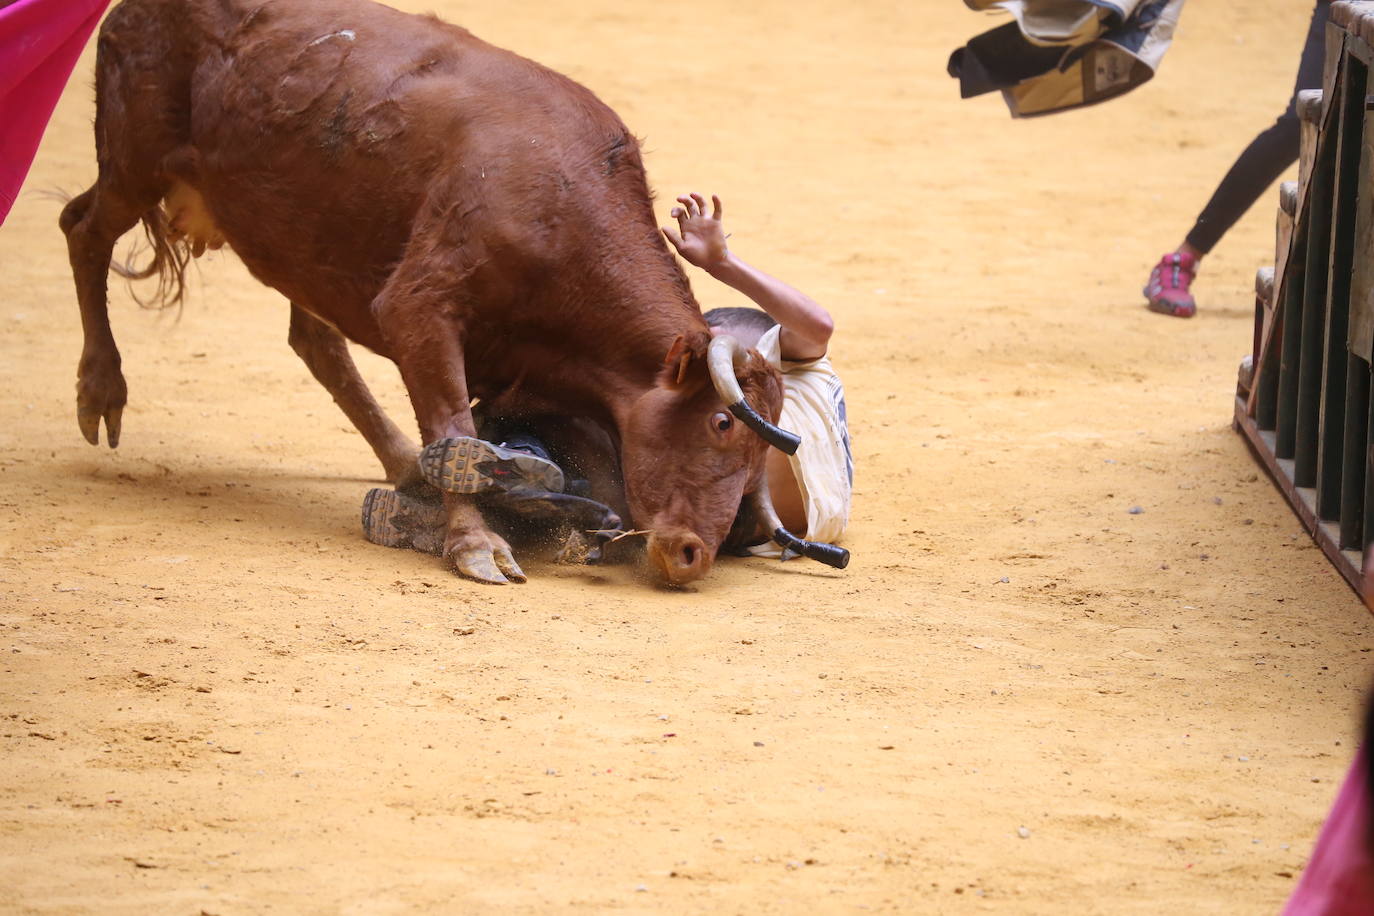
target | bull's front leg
[
  {"x": 473, "y": 548},
  {"x": 325, "y": 353},
  {"x": 425, "y": 339}
]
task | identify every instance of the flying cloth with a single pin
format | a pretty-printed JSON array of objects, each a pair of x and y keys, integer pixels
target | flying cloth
[
  {"x": 40, "y": 41},
  {"x": 1063, "y": 54}
]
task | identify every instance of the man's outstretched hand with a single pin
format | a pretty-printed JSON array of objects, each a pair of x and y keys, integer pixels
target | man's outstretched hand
[{"x": 699, "y": 238}]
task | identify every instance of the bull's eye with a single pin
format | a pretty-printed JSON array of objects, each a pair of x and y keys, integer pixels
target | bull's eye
[{"x": 722, "y": 422}]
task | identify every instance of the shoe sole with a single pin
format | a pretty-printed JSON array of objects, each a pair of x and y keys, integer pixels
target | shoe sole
[
  {"x": 1168, "y": 308},
  {"x": 466, "y": 465},
  {"x": 379, "y": 513},
  {"x": 393, "y": 520}
]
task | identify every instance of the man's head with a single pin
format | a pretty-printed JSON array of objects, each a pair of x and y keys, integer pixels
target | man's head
[{"x": 744, "y": 324}]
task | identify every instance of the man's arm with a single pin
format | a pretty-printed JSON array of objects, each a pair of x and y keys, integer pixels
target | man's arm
[{"x": 806, "y": 326}]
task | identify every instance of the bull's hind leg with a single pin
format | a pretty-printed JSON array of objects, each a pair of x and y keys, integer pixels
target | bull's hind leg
[
  {"x": 93, "y": 222},
  {"x": 138, "y": 103},
  {"x": 425, "y": 339},
  {"x": 325, "y": 353}
]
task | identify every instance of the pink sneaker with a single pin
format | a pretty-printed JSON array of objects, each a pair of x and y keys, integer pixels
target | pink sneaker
[{"x": 1167, "y": 291}]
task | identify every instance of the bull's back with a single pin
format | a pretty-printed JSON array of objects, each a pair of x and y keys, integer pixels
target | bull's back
[{"x": 322, "y": 131}]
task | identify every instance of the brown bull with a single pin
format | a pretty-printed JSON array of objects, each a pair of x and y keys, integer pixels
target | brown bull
[{"x": 475, "y": 217}]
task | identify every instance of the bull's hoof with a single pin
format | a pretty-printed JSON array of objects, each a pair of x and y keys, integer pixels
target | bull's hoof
[
  {"x": 100, "y": 394},
  {"x": 88, "y": 418},
  {"x": 495, "y": 567}
]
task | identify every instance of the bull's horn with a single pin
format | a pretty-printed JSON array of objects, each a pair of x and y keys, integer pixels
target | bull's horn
[
  {"x": 723, "y": 357},
  {"x": 829, "y": 554}
]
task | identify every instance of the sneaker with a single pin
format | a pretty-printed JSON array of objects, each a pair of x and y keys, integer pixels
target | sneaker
[
  {"x": 466, "y": 465},
  {"x": 524, "y": 442},
  {"x": 1167, "y": 291},
  {"x": 393, "y": 519}
]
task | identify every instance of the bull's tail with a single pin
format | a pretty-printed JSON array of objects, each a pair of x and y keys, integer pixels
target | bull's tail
[{"x": 171, "y": 256}]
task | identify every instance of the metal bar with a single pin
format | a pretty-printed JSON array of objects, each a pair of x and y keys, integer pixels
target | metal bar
[
  {"x": 1289, "y": 359},
  {"x": 1246, "y": 380},
  {"x": 1368, "y": 513},
  {"x": 1283, "y": 231},
  {"x": 1357, "y": 412},
  {"x": 1265, "y": 395},
  {"x": 1263, "y": 400},
  {"x": 1345, "y": 194},
  {"x": 1314, "y": 314},
  {"x": 1264, "y": 307}
]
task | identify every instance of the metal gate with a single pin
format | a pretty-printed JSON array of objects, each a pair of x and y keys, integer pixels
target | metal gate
[{"x": 1303, "y": 400}]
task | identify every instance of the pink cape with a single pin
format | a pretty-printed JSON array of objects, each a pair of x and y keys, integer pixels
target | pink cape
[
  {"x": 1339, "y": 880},
  {"x": 40, "y": 41}
]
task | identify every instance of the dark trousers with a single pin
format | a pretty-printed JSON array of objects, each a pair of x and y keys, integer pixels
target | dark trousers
[{"x": 1269, "y": 154}]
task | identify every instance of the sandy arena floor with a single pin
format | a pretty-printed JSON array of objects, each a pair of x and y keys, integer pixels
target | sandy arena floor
[{"x": 215, "y": 697}]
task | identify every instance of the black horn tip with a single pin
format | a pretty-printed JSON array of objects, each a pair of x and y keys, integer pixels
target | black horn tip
[
  {"x": 831, "y": 555},
  {"x": 780, "y": 439}
]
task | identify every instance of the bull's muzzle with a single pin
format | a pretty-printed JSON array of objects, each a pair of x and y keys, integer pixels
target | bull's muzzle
[{"x": 679, "y": 556}]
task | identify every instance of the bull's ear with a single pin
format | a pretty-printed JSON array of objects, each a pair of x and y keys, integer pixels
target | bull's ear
[
  {"x": 685, "y": 347},
  {"x": 675, "y": 363}
]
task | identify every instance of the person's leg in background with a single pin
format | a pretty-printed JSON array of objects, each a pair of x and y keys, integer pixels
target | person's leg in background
[{"x": 1259, "y": 166}]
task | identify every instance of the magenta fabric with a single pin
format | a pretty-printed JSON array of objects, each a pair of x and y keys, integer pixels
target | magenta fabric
[
  {"x": 1339, "y": 880},
  {"x": 40, "y": 41}
]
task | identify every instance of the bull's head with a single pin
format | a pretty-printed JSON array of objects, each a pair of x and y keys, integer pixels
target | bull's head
[{"x": 688, "y": 461}]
